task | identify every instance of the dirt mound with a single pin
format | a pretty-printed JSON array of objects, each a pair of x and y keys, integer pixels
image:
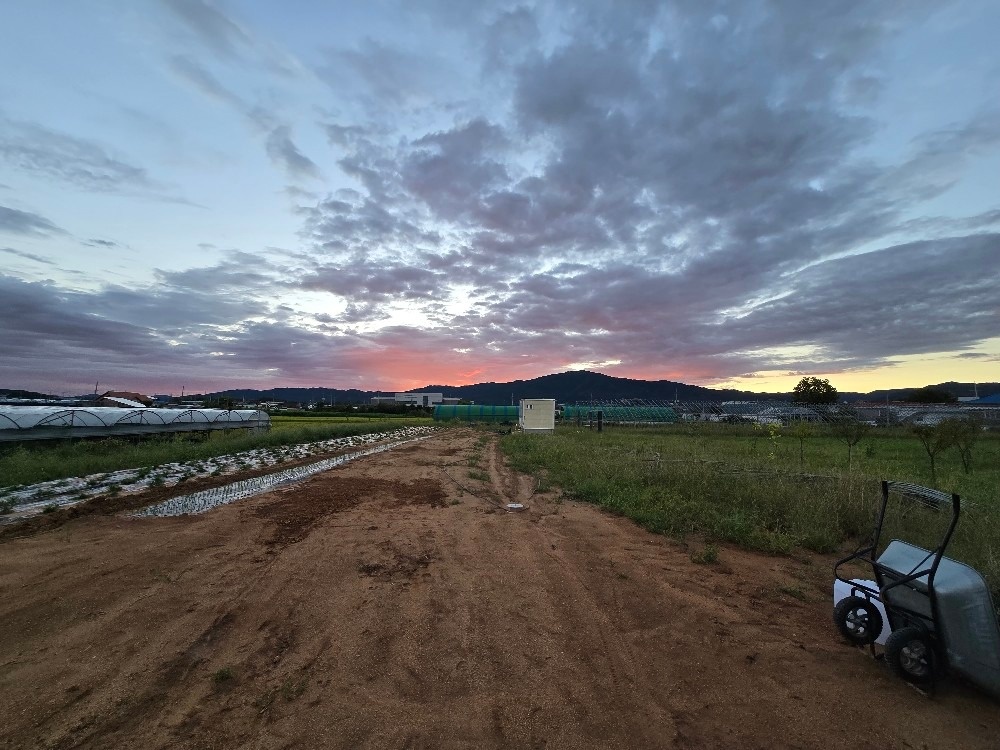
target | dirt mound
[{"x": 393, "y": 602}]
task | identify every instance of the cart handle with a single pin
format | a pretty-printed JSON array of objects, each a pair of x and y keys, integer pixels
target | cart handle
[{"x": 934, "y": 499}]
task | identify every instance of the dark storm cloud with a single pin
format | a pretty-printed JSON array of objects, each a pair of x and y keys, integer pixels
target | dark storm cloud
[
  {"x": 444, "y": 169},
  {"x": 675, "y": 184},
  {"x": 374, "y": 283},
  {"x": 683, "y": 187},
  {"x": 15, "y": 221},
  {"x": 139, "y": 336},
  {"x": 220, "y": 321},
  {"x": 45, "y": 322},
  {"x": 915, "y": 298}
]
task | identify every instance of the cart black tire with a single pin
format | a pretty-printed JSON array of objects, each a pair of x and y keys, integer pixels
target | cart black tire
[
  {"x": 909, "y": 652},
  {"x": 858, "y": 620}
]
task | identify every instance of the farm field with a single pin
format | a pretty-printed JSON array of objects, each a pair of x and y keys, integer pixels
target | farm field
[
  {"x": 45, "y": 461},
  {"x": 393, "y": 602},
  {"x": 767, "y": 490}
]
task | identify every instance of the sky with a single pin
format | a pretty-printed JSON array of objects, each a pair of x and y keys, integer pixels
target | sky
[{"x": 211, "y": 194}]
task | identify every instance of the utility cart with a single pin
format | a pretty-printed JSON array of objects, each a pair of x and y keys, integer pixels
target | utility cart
[{"x": 940, "y": 612}]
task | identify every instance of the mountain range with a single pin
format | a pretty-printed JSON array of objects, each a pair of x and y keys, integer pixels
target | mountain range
[
  {"x": 579, "y": 385},
  {"x": 564, "y": 387}
]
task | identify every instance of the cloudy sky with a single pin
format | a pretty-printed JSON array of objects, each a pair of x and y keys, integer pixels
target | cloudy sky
[{"x": 229, "y": 193}]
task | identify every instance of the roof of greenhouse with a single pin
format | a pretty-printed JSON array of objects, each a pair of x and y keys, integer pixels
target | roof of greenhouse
[{"x": 23, "y": 422}]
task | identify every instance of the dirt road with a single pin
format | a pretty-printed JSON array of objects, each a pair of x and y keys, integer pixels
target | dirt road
[{"x": 394, "y": 603}]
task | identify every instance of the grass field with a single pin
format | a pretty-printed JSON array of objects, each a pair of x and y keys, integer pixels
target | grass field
[
  {"x": 753, "y": 488},
  {"x": 40, "y": 461}
]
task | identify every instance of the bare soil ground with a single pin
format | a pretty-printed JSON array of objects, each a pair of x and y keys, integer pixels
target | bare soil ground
[{"x": 395, "y": 603}]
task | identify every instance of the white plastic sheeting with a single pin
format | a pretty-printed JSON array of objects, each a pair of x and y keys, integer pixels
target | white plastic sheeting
[
  {"x": 33, "y": 499},
  {"x": 41, "y": 422},
  {"x": 206, "y": 500}
]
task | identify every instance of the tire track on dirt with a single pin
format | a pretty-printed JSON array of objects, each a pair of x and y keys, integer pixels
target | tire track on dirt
[{"x": 417, "y": 615}]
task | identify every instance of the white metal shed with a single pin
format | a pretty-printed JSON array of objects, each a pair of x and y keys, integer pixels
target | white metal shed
[{"x": 538, "y": 415}]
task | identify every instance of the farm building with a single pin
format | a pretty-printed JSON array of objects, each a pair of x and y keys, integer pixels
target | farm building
[
  {"x": 538, "y": 415},
  {"x": 475, "y": 413},
  {"x": 123, "y": 398},
  {"x": 415, "y": 399},
  {"x": 56, "y": 422}
]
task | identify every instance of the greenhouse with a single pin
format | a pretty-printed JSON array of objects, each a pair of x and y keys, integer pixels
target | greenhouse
[
  {"x": 618, "y": 414},
  {"x": 475, "y": 413},
  {"x": 55, "y": 422}
]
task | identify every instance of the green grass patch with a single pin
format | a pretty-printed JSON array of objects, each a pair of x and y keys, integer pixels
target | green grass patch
[
  {"x": 764, "y": 490},
  {"x": 795, "y": 592},
  {"x": 223, "y": 675},
  {"x": 706, "y": 555}
]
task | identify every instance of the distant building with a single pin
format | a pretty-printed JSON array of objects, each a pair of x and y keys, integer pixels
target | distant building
[
  {"x": 415, "y": 399},
  {"x": 123, "y": 399},
  {"x": 419, "y": 399}
]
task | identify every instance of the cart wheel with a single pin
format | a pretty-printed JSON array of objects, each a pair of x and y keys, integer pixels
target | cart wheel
[
  {"x": 858, "y": 620},
  {"x": 910, "y": 655}
]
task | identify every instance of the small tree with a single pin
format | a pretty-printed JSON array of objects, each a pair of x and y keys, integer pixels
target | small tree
[
  {"x": 850, "y": 431},
  {"x": 800, "y": 430},
  {"x": 814, "y": 391},
  {"x": 935, "y": 438},
  {"x": 964, "y": 434}
]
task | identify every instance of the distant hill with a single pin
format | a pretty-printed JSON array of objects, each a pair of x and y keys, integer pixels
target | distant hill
[
  {"x": 583, "y": 385},
  {"x": 570, "y": 387},
  {"x": 958, "y": 390},
  {"x": 15, "y": 393},
  {"x": 296, "y": 395},
  {"x": 565, "y": 387}
]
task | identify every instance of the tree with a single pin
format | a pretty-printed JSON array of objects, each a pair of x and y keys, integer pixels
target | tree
[
  {"x": 800, "y": 430},
  {"x": 964, "y": 433},
  {"x": 931, "y": 395},
  {"x": 814, "y": 391},
  {"x": 935, "y": 438},
  {"x": 849, "y": 430}
]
